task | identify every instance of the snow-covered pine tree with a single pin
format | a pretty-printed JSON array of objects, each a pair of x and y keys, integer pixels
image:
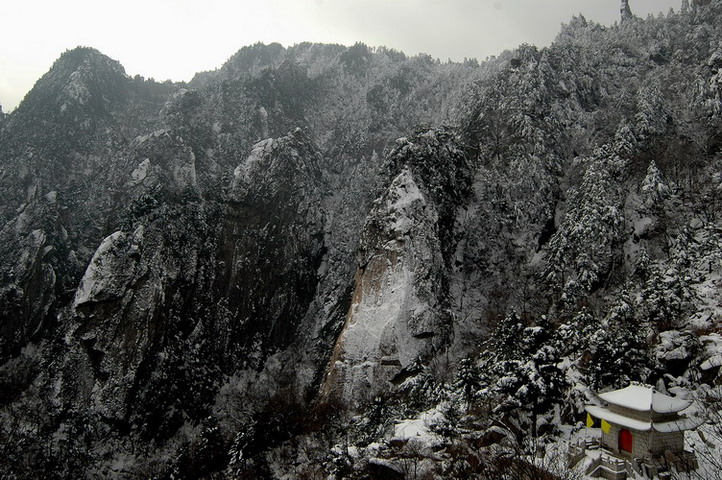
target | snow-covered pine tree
[
  {"x": 521, "y": 371},
  {"x": 654, "y": 189},
  {"x": 651, "y": 117},
  {"x": 505, "y": 340},
  {"x": 582, "y": 250},
  {"x": 625, "y": 141},
  {"x": 619, "y": 352},
  {"x": 529, "y": 386},
  {"x": 573, "y": 338},
  {"x": 661, "y": 298},
  {"x": 468, "y": 379},
  {"x": 642, "y": 263}
]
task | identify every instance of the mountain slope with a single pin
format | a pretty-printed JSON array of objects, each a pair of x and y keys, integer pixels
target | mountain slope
[{"x": 259, "y": 272}]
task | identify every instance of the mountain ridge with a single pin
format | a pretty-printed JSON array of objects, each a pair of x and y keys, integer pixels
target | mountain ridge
[{"x": 265, "y": 269}]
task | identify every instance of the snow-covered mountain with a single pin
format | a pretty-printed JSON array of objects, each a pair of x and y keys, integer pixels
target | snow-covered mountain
[{"x": 343, "y": 262}]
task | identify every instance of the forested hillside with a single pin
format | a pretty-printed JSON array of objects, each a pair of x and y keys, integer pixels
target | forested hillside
[{"x": 342, "y": 262}]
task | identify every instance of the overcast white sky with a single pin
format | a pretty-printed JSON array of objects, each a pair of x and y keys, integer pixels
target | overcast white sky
[{"x": 173, "y": 39}]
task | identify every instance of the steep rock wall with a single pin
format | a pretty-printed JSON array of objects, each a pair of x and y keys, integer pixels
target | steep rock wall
[{"x": 395, "y": 318}]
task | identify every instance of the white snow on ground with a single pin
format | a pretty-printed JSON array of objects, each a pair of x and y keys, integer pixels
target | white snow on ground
[
  {"x": 417, "y": 429},
  {"x": 712, "y": 351},
  {"x": 407, "y": 429}
]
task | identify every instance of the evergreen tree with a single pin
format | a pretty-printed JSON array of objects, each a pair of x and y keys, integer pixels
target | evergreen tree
[
  {"x": 583, "y": 248},
  {"x": 625, "y": 141},
  {"x": 468, "y": 379},
  {"x": 521, "y": 371},
  {"x": 507, "y": 336},
  {"x": 573, "y": 338},
  {"x": 619, "y": 352},
  {"x": 651, "y": 118},
  {"x": 533, "y": 385},
  {"x": 654, "y": 189},
  {"x": 642, "y": 264},
  {"x": 660, "y": 300}
]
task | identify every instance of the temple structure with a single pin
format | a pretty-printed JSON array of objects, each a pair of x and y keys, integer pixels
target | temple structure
[{"x": 642, "y": 433}]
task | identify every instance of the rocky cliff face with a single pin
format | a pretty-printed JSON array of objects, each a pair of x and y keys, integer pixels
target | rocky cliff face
[
  {"x": 272, "y": 243},
  {"x": 171, "y": 280},
  {"x": 56, "y": 150},
  {"x": 163, "y": 244},
  {"x": 396, "y": 320}
]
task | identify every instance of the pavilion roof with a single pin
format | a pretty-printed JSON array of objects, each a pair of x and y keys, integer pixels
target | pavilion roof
[
  {"x": 645, "y": 398},
  {"x": 677, "y": 425}
]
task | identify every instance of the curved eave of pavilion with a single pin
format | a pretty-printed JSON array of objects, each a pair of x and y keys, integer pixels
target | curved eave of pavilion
[{"x": 678, "y": 425}]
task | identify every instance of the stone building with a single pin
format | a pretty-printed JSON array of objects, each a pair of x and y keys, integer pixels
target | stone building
[{"x": 643, "y": 430}]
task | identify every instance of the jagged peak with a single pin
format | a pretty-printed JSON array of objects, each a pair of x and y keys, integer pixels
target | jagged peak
[
  {"x": 85, "y": 60},
  {"x": 625, "y": 11},
  {"x": 253, "y": 57},
  {"x": 292, "y": 158},
  {"x": 80, "y": 77},
  {"x": 82, "y": 54}
]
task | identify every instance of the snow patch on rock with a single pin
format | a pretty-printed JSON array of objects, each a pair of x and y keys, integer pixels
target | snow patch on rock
[
  {"x": 111, "y": 269},
  {"x": 418, "y": 428},
  {"x": 405, "y": 194},
  {"x": 140, "y": 172},
  {"x": 712, "y": 351},
  {"x": 261, "y": 150},
  {"x": 76, "y": 90},
  {"x": 394, "y": 318}
]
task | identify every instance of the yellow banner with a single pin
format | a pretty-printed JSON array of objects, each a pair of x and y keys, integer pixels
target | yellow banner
[
  {"x": 590, "y": 421},
  {"x": 605, "y": 426}
]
